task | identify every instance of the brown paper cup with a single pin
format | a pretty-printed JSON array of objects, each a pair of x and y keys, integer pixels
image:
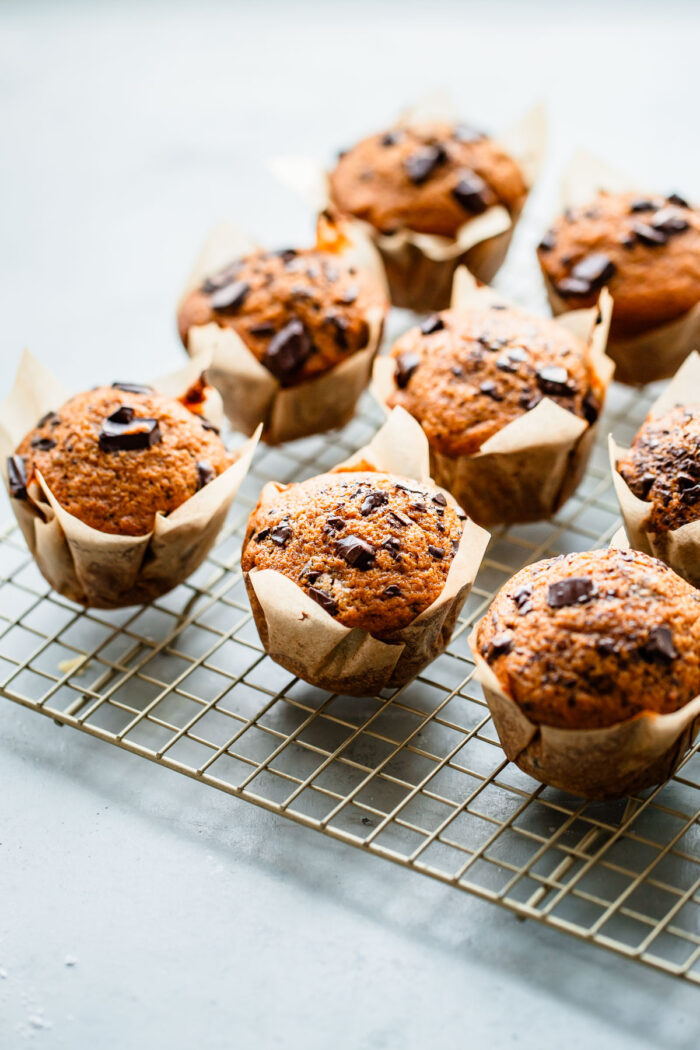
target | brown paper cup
[
  {"x": 595, "y": 763},
  {"x": 95, "y": 568},
  {"x": 531, "y": 467},
  {"x": 420, "y": 267},
  {"x": 306, "y": 640},
  {"x": 679, "y": 548},
  {"x": 658, "y": 352},
  {"x": 250, "y": 393}
]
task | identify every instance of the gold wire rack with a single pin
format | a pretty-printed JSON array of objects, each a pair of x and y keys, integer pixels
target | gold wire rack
[{"x": 417, "y": 777}]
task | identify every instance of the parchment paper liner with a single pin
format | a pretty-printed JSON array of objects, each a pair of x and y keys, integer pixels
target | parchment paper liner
[
  {"x": 96, "y": 568},
  {"x": 419, "y": 266},
  {"x": 658, "y": 352},
  {"x": 679, "y": 548},
  {"x": 531, "y": 467},
  {"x": 301, "y": 636},
  {"x": 251, "y": 394}
]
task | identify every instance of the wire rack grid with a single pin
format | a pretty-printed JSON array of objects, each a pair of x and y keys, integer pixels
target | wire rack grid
[{"x": 417, "y": 777}]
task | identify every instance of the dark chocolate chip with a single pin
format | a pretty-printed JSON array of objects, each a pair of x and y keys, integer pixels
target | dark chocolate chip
[
  {"x": 439, "y": 499},
  {"x": 206, "y": 425},
  {"x": 642, "y": 204},
  {"x": 489, "y": 388},
  {"x": 287, "y": 350},
  {"x": 406, "y": 364},
  {"x": 356, "y": 552},
  {"x": 675, "y": 198},
  {"x": 591, "y": 407},
  {"x": 501, "y": 644},
  {"x": 124, "y": 414},
  {"x": 606, "y": 645},
  {"x": 51, "y": 417},
  {"x": 466, "y": 133},
  {"x": 223, "y": 277},
  {"x": 43, "y": 444},
  {"x": 596, "y": 269},
  {"x": 627, "y": 240},
  {"x": 309, "y": 574},
  {"x": 286, "y": 254},
  {"x": 548, "y": 242},
  {"x": 17, "y": 477},
  {"x": 575, "y": 591},
  {"x": 648, "y": 235},
  {"x": 127, "y": 436},
  {"x": 392, "y": 545},
  {"x": 437, "y": 552},
  {"x": 669, "y": 221},
  {"x": 392, "y": 591},
  {"x": 434, "y": 323},
  {"x": 340, "y": 330},
  {"x": 392, "y": 138},
  {"x": 324, "y": 600},
  {"x": 205, "y": 474},
  {"x": 335, "y": 523},
  {"x": 643, "y": 486},
  {"x": 659, "y": 645},
  {"x": 522, "y": 597},
  {"x": 471, "y": 193},
  {"x": 133, "y": 388},
  {"x": 281, "y": 534},
  {"x": 262, "y": 535},
  {"x": 554, "y": 379},
  {"x": 421, "y": 165},
  {"x": 396, "y": 518},
  {"x": 418, "y": 505},
  {"x": 372, "y": 501},
  {"x": 231, "y": 297}
]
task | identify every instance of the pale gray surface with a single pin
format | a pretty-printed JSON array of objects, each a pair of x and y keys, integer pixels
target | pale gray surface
[{"x": 194, "y": 920}]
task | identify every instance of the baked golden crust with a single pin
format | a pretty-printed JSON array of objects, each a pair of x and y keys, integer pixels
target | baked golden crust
[
  {"x": 646, "y": 249},
  {"x": 466, "y": 374},
  {"x": 371, "y": 548},
  {"x": 121, "y": 491},
  {"x": 663, "y": 467},
  {"x": 430, "y": 178},
  {"x": 299, "y": 312},
  {"x": 592, "y": 639}
]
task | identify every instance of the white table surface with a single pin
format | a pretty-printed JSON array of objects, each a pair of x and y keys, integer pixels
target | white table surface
[{"x": 136, "y": 907}]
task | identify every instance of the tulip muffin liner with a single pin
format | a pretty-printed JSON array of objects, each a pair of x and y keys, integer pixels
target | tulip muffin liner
[
  {"x": 678, "y": 548},
  {"x": 99, "y": 569},
  {"x": 608, "y": 763},
  {"x": 529, "y": 468},
  {"x": 250, "y": 393},
  {"x": 420, "y": 267},
  {"x": 658, "y": 352},
  {"x": 301, "y": 636}
]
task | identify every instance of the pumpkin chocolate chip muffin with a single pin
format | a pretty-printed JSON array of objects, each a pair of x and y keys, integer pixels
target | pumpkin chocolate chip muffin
[
  {"x": 594, "y": 639},
  {"x": 300, "y": 313},
  {"x": 646, "y": 249},
  {"x": 663, "y": 467},
  {"x": 370, "y": 548},
  {"x": 117, "y": 456}
]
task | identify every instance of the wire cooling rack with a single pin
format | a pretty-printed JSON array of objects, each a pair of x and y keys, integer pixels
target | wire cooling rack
[{"x": 418, "y": 777}]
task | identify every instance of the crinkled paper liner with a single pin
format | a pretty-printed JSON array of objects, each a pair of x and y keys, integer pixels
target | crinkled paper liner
[
  {"x": 595, "y": 763},
  {"x": 420, "y": 267},
  {"x": 658, "y": 352},
  {"x": 679, "y": 548},
  {"x": 301, "y": 636},
  {"x": 96, "y": 568},
  {"x": 250, "y": 392},
  {"x": 531, "y": 467}
]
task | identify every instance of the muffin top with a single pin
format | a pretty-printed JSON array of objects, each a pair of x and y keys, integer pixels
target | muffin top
[
  {"x": 465, "y": 374},
  {"x": 117, "y": 455},
  {"x": 299, "y": 312},
  {"x": 663, "y": 467},
  {"x": 373, "y": 549},
  {"x": 431, "y": 178},
  {"x": 645, "y": 249},
  {"x": 592, "y": 639}
]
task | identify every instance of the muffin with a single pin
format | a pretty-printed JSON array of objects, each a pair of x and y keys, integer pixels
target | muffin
[
  {"x": 593, "y": 670},
  {"x": 121, "y": 491},
  {"x": 293, "y": 334},
  {"x": 646, "y": 250},
  {"x": 657, "y": 480},
  {"x": 471, "y": 377},
  {"x": 356, "y": 576},
  {"x": 433, "y": 194}
]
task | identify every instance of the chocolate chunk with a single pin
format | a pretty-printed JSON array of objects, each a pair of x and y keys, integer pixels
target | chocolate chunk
[
  {"x": 648, "y": 235},
  {"x": 205, "y": 474},
  {"x": 504, "y": 364},
  {"x": 627, "y": 240},
  {"x": 419, "y": 505},
  {"x": 466, "y": 133},
  {"x": 432, "y": 324},
  {"x": 124, "y": 414},
  {"x": 548, "y": 242},
  {"x": 392, "y": 545},
  {"x": 439, "y": 499},
  {"x": 372, "y": 501},
  {"x": 643, "y": 486},
  {"x": 287, "y": 350},
  {"x": 17, "y": 477},
  {"x": 231, "y": 297},
  {"x": 659, "y": 645},
  {"x": 43, "y": 444},
  {"x": 398, "y": 519},
  {"x": 642, "y": 204},
  {"x": 554, "y": 379},
  {"x": 596, "y": 269},
  {"x": 675, "y": 198},
  {"x": 356, "y": 552},
  {"x": 421, "y": 165},
  {"x": 262, "y": 535},
  {"x": 489, "y": 388},
  {"x": 348, "y": 296},
  {"x": 392, "y": 591},
  {"x": 522, "y": 597},
  {"x": 528, "y": 401},
  {"x": 340, "y": 330},
  {"x": 406, "y": 364},
  {"x": 335, "y": 523},
  {"x": 669, "y": 221},
  {"x": 133, "y": 388},
  {"x": 286, "y": 254},
  {"x": 591, "y": 407},
  {"x": 281, "y": 534},
  {"x": 324, "y": 600},
  {"x": 206, "y": 425},
  {"x": 392, "y": 138},
  {"x": 471, "y": 193},
  {"x": 501, "y": 644},
  {"x": 223, "y": 277},
  {"x": 437, "y": 552},
  {"x": 606, "y": 645},
  {"x": 575, "y": 591},
  {"x": 309, "y": 574},
  {"x": 263, "y": 330},
  {"x": 573, "y": 286},
  {"x": 51, "y": 417},
  {"x": 457, "y": 371},
  {"x": 127, "y": 435}
]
